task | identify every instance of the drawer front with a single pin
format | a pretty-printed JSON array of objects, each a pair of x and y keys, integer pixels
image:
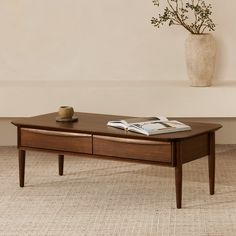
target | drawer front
[
  {"x": 56, "y": 140},
  {"x": 132, "y": 148}
]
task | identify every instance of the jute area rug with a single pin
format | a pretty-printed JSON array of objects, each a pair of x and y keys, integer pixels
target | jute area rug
[{"x": 102, "y": 197}]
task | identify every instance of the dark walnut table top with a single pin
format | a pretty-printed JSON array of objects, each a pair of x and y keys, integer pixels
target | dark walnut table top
[{"x": 97, "y": 124}]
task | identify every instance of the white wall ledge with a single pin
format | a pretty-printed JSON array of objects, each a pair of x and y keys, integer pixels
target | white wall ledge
[
  {"x": 114, "y": 83},
  {"x": 128, "y": 97}
]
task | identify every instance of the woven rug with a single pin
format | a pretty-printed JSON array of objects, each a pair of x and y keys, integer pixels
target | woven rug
[{"x": 103, "y": 197}]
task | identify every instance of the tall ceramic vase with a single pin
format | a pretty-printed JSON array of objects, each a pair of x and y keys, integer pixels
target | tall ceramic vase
[{"x": 200, "y": 50}]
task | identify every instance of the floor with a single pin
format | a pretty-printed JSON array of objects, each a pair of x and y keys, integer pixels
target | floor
[{"x": 101, "y": 197}]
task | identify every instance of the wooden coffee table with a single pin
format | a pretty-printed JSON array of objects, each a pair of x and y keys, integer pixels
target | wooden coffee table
[{"x": 91, "y": 135}]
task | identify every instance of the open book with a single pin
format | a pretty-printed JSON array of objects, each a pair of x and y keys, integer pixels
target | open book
[{"x": 150, "y": 125}]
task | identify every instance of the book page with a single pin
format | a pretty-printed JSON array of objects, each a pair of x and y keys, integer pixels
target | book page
[{"x": 143, "y": 120}]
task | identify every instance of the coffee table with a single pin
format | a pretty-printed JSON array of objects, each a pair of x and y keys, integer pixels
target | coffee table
[{"x": 91, "y": 136}]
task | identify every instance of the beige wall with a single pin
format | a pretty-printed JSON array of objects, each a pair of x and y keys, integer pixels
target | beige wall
[{"x": 101, "y": 40}]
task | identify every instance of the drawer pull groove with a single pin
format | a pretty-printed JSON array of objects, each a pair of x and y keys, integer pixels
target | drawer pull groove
[
  {"x": 55, "y": 133},
  {"x": 127, "y": 140}
]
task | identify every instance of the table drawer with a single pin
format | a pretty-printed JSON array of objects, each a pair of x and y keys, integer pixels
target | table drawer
[
  {"x": 132, "y": 148},
  {"x": 56, "y": 140}
]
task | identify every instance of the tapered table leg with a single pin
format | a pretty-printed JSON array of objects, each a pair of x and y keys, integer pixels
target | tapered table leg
[
  {"x": 178, "y": 177},
  {"x": 178, "y": 186},
  {"x": 21, "y": 167},
  {"x": 61, "y": 164},
  {"x": 211, "y": 162}
]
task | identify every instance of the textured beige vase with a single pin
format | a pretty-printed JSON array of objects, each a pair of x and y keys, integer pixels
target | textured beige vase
[{"x": 200, "y": 53}]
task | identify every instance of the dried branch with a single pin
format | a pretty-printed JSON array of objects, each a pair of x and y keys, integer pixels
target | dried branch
[{"x": 177, "y": 12}]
